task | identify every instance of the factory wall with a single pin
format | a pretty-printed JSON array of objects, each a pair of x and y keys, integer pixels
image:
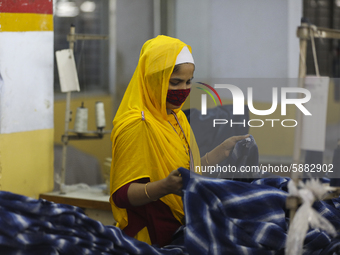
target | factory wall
[
  {"x": 26, "y": 96},
  {"x": 134, "y": 26},
  {"x": 245, "y": 40},
  {"x": 254, "y": 40}
]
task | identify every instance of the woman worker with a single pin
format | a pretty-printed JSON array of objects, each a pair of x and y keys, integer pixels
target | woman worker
[{"x": 151, "y": 139}]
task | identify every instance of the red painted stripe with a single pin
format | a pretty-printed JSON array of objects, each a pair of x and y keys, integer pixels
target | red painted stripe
[{"x": 27, "y": 6}]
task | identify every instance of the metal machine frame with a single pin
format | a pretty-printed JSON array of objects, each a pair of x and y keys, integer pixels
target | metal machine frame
[
  {"x": 306, "y": 32},
  {"x": 72, "y": 37}
]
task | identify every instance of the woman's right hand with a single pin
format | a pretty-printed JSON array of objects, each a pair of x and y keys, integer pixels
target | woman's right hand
[{"x": 173, "y": 183}]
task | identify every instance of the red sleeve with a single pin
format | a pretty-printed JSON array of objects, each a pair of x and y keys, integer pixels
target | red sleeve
[{"x": 120, "y": 197}]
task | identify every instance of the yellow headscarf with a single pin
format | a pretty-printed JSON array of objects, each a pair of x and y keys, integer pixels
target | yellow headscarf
[{"x": 144, "y": 144}]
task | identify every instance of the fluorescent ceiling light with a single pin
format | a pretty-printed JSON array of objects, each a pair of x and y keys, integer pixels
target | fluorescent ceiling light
[
  {"x": 66, "y": 9},
  {"x": 88, "y": 6}
]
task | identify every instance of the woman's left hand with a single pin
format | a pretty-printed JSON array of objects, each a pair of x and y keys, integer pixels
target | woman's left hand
[
  {"x": 229, "y": 143},
  {"x": 220, "y": 152}
]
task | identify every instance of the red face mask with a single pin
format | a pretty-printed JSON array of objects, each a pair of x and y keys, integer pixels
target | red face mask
[{"x": 178, "y": 96}]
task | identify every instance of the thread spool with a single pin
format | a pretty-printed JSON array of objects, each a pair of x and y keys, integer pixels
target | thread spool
[
  {"x": 80, "y": 123},
  {"x": 100, "y": 115}
]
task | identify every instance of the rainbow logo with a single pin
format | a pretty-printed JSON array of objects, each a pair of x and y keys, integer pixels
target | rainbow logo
[{"x": 209, "y": 93}]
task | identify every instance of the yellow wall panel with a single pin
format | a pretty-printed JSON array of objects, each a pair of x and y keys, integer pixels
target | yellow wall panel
[
  {"x": 21, "y": 22},
  {"x": 27, "y": 162}
]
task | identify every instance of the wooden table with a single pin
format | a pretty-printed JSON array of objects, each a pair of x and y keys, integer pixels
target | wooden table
[{"x": 92, "y": 200}]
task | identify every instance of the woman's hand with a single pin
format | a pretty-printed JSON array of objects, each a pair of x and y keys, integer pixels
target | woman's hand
[
  {"x": 173, "y": 183},
  {"x": 229, "y": 143},
  {"x": 140, "y": 194},
  {"x": 220, "y": 152}
]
